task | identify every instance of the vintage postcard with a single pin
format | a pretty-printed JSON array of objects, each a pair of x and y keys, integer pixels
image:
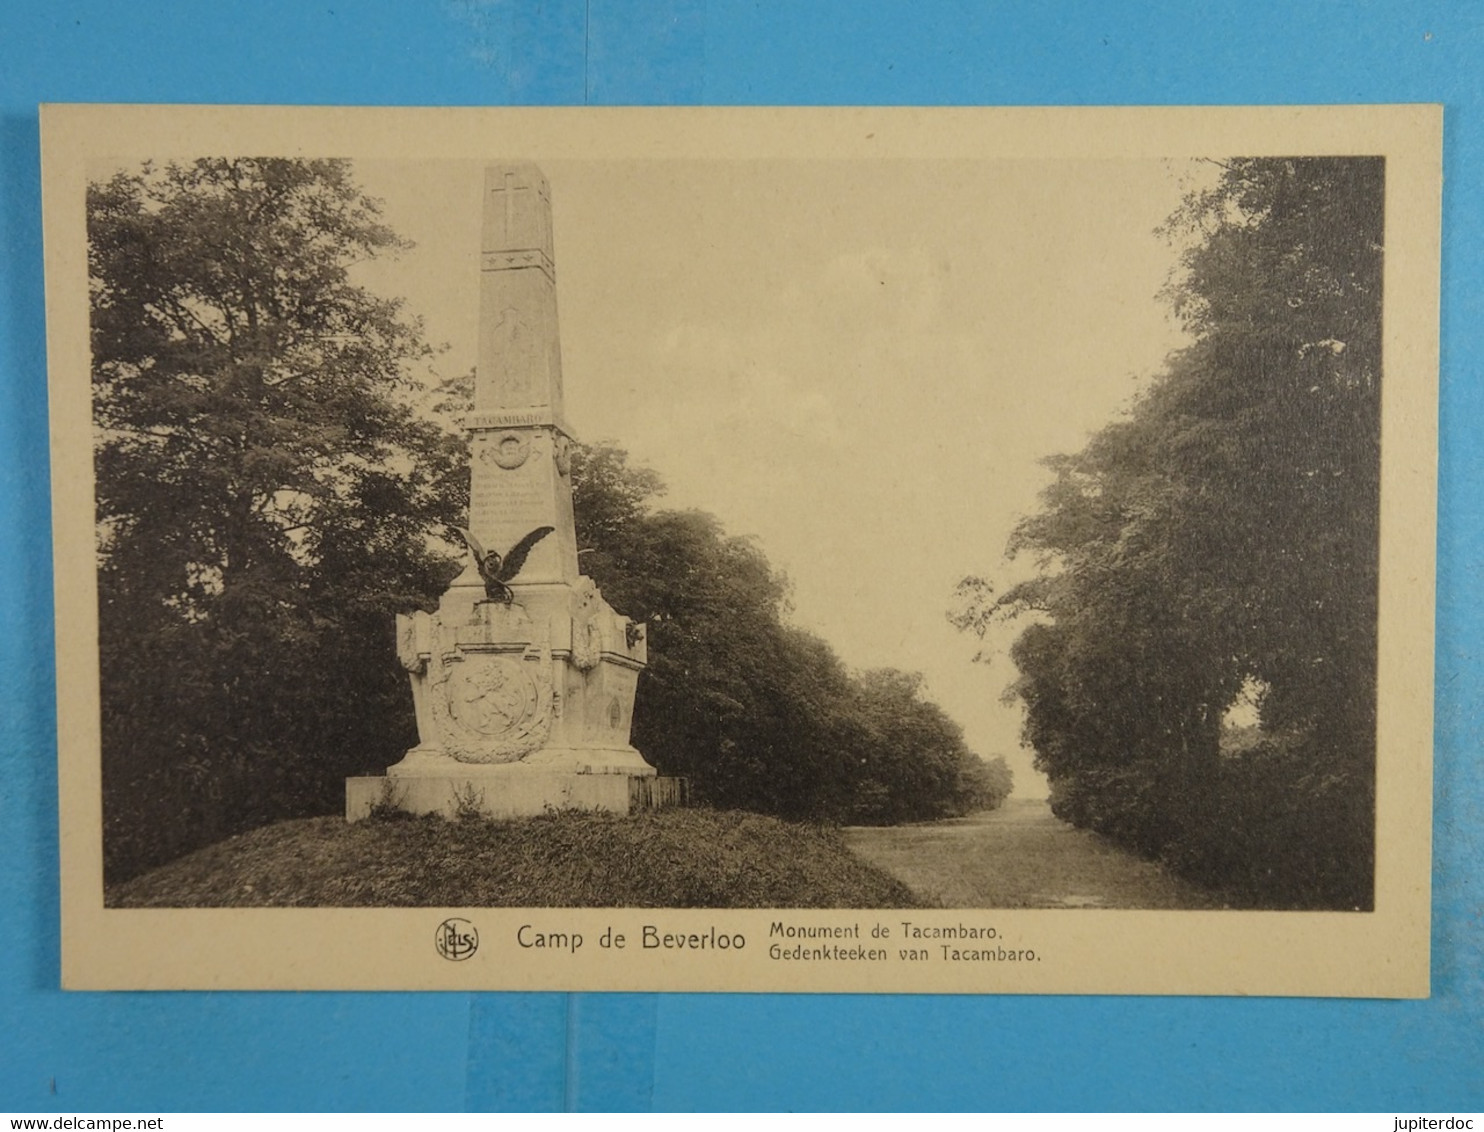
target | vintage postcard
[{"x": 902, "y": 550}]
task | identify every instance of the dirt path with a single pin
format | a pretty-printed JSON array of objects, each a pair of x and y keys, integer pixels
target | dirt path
[{"x": 1020, "y": 856}]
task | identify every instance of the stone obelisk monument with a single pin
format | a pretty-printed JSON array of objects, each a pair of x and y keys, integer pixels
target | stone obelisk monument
[{"x": 524, "y": 689}]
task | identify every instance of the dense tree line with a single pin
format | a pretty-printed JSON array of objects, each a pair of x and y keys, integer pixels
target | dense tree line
[
  {"x": 758, "y": 713},
  {"x": 1222, "y": 536},
  {"x": 268, "y": 499}
]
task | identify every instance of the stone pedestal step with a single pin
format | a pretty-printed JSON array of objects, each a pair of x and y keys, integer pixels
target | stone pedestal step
[{"x": 522, "y": 793}]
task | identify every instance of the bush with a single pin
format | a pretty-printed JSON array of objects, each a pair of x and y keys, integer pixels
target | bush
[
  {"x": 1292, "y": 828},
  {"x": 1281, "y": 825}
]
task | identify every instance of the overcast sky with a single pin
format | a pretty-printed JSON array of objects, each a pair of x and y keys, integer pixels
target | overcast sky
[{"x": 859, "y": 363}]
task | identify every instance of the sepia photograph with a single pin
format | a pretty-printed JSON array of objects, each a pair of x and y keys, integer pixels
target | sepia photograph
[{"x": 746, "y": 550}]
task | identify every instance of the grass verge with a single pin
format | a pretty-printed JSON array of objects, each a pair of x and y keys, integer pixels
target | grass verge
[{"x": 692, "y": 858}]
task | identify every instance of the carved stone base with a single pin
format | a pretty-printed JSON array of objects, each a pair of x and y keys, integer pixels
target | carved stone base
[{"x": 520, "y": 708}]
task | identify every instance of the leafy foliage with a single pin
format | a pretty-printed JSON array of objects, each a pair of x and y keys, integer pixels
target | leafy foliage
[
  {"x": 263, "y": 497},
  {"x": 1225, "y": 532},
  {"x": 757, "y": 713}
]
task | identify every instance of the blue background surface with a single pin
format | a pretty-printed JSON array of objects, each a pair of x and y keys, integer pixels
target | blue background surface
[{"x": 493, "y": 1051}]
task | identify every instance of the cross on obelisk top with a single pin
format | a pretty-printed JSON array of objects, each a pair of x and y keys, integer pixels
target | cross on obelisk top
[
  {"x": 519, "y": 356},
  {"x": 517, "y": 218},
  {"x": 507, "y": 192}
]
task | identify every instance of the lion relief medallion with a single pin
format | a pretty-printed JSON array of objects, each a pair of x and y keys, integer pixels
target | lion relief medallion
[{"x": 495, "y": 708}]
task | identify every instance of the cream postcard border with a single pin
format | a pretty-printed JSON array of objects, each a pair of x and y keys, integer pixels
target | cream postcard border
[{"x": 1378, "y": 954}]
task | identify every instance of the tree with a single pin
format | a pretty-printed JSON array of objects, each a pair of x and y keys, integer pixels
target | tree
[
  {"x": 264, "y": 492},
  {"x": 758, "y": 713},
  {"x": 1225, "y": 533},
  {"x": 914, "y": 763},
  {"x": 732, "y": 698}
]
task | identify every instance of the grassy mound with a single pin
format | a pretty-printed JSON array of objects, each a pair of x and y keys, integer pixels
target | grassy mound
[{"x": 666, "y": 859}]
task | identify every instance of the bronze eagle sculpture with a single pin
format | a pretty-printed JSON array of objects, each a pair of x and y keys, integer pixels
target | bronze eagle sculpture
[{"x": 498, "y": 571}]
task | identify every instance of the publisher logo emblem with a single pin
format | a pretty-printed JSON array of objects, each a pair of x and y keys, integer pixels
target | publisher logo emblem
[{"x": 456, "y": 939}]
